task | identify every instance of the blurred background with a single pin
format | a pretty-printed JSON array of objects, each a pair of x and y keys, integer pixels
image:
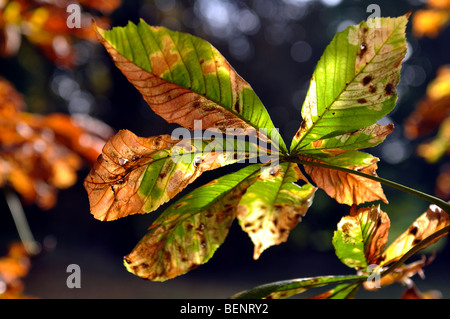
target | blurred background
[{"x": 274, "y": 45}]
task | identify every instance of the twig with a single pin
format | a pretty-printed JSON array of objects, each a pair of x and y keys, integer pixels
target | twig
[{"x": 15, "y": 207}]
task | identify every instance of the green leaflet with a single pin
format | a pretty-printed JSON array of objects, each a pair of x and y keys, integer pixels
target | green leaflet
[
  {"x": 189, "y": 231},
  {"x": 287, "y": 288},
  {"x": 274, "y": 205},
  {"x": 184, "y": 78},
  {"x": 354, "y": 82},
  {"x": 367, "y": 137}
]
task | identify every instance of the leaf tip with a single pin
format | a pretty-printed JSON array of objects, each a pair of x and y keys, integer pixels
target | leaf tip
[
  {"x": 408, "y": 14},
  {"x": 98, "y": 31}
]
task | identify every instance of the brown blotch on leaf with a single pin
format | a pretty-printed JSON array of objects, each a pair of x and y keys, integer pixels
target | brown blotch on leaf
[
  {"x": 362, "y": 49},
  {"x": 372, "y": 89},
  {"x": 177, "y": 205},
  {"x": 413, "y": 230},
  {"x": 120, "y": 181},
  {"x": 362, "y": 101},
  {"x": 346, "y": 227},
  {"x": 237, "y": 108},
  {"x": 389, "y": 89},
  {"x": 200, "y": 227},
  {"x": 162, "y": 175},
  {"x": 367, "y": 79}
]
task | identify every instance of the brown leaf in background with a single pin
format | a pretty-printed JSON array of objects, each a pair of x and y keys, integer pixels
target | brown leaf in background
[
  {"x": 44, "y": 24},
  {"x": 413, "y": 293},
  {"x": 40, "y": 154},
  {"x": 443, "y": 183},
  {"x": 433, "y": 108},
  {"x": 432, "y": 114},
  {"x": 13, "y": 267},
  {"x": 432, "y": 20}
]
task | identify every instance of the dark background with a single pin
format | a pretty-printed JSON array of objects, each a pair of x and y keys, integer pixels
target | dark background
[{"x": 273, "y": 45}]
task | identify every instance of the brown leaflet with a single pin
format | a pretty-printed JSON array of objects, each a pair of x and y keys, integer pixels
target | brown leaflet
[
  {"x": 347, "y": 188},
  {"x": 427, "y": 224},
  {"x": 115, "y": 183},
  {"x": 177, "y": 104},
  {"x": 114, "y": 180}
]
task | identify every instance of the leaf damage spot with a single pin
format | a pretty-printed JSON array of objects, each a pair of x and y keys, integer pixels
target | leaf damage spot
[
  {"x": 367, "y": 79},
  {"x": 362, "y": 101},
  {"x": 413, "y": 230},
  {"x": 362, "y": 49},
  {"x": 389, "y": 89}
]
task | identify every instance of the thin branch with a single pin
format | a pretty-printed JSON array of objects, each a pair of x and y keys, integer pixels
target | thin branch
[{"x": 15, "y": 207}]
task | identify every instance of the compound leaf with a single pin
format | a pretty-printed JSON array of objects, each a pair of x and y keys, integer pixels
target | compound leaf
[{"x": 189, "y": 231}]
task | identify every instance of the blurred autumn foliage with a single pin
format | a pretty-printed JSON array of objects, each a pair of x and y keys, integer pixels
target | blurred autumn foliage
[
  {"x": 430, "y": 21},
  {"x": 432, "y": 113},
  {"x": 13, "y": 268},
  {"x": 44, "y": 24},
  {"x": 40, "y": 154}
]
